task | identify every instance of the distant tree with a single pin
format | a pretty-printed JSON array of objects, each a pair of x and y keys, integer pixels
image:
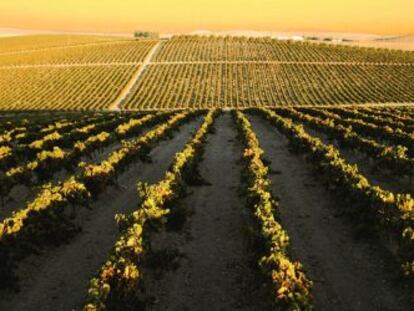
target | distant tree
[{"x": 146, "y": 35}]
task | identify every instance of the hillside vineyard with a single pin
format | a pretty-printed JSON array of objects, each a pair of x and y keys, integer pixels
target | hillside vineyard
[{"x": 70, "y": 73}]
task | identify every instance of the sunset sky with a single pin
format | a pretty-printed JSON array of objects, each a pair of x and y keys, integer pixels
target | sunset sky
[{"x": 379, "y": 16}]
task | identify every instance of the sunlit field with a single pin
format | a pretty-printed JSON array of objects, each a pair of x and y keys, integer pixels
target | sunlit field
[{"x": 205, "y": 173}]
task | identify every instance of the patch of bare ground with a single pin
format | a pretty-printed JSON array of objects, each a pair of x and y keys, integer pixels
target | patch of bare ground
[
  {"x": 211, "y": 263},
  {"x": 57, "y": 279},
  {"x": 349, "y": 272}
]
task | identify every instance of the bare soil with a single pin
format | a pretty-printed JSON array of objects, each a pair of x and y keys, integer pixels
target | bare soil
[
  {"x": 215, "y": 268},
  {"x": 349, "y": 272},
  {"x": 58, "y": 278}
]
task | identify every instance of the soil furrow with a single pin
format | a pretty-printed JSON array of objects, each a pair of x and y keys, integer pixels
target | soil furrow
[{"x": 215, "y": 269}]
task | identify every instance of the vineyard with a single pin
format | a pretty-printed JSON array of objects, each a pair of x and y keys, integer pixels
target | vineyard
[
  {"x": 194, "y": 48},
  {"x": 205, "y": 173},
  {"x": 257, "y": 209},
  {"x": 258, "y": 85},
  {"x": 37, "y": 42},
  {"x": 104, "y": 73},
  {"x": 113, "y": 52},
  {"x": 92, "y": 87}
]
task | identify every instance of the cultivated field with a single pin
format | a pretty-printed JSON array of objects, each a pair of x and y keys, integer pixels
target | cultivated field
[
  {"x": 298, "y": 200},
  {"x": 87, "y": 73}
]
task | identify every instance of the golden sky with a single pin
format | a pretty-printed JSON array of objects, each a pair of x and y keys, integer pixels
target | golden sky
[{"x": 368, "y": 16}]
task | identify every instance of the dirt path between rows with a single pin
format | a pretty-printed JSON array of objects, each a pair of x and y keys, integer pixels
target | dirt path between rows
[
  {"x": 367, "y": 166},
  {"x": 58, "y": 279},
  {"x": 348, "y": 273},
  {"x": 116, "y": 105},
  {"x": 282, "y": 62},
  {"x": 215, "y": 270},
  {"x": 195, "y": 62},
  {"x": 21, "y": 194}
]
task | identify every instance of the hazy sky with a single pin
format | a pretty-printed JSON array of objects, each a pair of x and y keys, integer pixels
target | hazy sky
[{"x": 369, "y": 16}]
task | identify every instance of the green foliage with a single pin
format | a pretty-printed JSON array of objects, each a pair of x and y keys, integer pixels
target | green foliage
[
  {"x": 120, "y": 276},
  {"x": 291, "y": 287}
]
